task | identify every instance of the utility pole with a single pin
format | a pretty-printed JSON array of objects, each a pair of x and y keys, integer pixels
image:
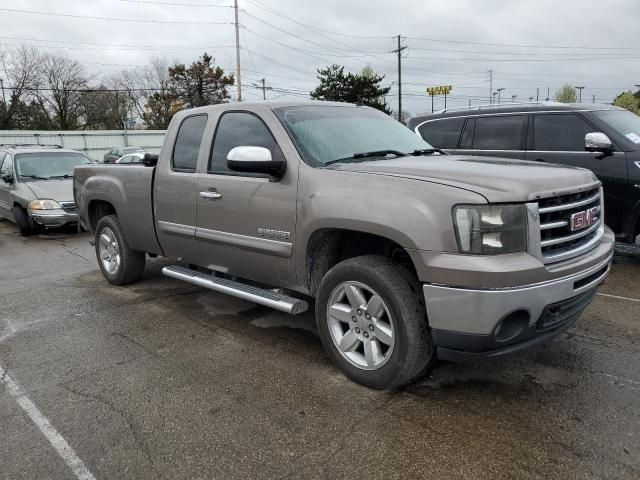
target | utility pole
[
  {"x": 580, "y": 88},
  {"x": 593, "y": 98},
  {"x": 264, "y": 90},
  {"x": 238, "y": 79},
  {"x": 499, "y": 90},
  {"x": 399, "y": 52},
  {"x": 547, "y": 94},
  {"x": 538, "y": 94},
  {"x": 490, "y": 86}
]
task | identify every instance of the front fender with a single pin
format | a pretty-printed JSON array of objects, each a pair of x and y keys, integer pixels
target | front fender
[{"x": 415, "y": 214}]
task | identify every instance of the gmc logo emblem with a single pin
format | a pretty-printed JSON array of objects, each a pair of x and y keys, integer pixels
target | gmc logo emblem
[{"x": 584, "y": 219}]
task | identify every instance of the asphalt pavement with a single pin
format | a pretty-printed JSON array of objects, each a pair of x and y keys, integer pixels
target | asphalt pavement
[{"x": 161, "y": 379}]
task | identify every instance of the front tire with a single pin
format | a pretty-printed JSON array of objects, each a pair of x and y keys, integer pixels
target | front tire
[
  {"x": 24, "y": 222},
  {"x": 372, "y": 322},
  {"x": 119, "y": 263}
]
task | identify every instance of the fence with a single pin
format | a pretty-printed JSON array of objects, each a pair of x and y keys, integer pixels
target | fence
[{"x": 94, "y": 143}]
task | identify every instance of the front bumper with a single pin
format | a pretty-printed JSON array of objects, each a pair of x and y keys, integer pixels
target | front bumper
[
  {"x": 470, "y": 323},
  {"x": 53, "y": 218}
]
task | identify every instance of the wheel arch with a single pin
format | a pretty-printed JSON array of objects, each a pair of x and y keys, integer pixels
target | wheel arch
[
  {"x": 328, "y": 246},
  {"x": 98, "y": 208}
]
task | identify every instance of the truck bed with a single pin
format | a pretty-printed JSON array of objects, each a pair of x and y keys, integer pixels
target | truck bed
[{"x": 129, "y": 190}]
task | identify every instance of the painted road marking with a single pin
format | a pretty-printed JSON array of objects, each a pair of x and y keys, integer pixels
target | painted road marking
[
  {"x": 620, "y": 298},
  {"x": 56, "y": 440}
]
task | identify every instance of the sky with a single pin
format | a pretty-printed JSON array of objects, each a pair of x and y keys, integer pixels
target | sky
[{"x": 528, "y": 45}]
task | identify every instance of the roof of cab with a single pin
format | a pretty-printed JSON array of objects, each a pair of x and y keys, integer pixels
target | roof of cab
[{"x": 271, "y": 104}]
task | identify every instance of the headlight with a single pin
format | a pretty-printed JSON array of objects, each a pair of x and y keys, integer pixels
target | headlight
[
  {"x": 490, "y": 229},
  {"x": 43, "y": 205}
]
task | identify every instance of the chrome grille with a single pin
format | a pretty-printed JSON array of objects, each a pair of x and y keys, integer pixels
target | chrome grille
[
  {"x": 68, "y": 206},
  {"x": 557, "y": 240}
]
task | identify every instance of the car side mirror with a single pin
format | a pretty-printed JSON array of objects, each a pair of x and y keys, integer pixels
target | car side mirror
[
  {"x": 150, "y": 160},
  {"x": 7, "y": 178},
  {"x": 255, "y": 160},
  {"x": 597, "y": 142}
]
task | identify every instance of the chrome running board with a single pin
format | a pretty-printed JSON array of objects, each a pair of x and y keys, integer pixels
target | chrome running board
[{"x": 253, "y": 294}]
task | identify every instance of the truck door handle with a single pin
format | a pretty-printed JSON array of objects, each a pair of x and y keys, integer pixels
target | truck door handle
[{"x": 211, "y": 195}]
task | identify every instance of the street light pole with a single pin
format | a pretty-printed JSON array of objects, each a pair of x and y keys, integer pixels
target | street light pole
[
  {"x": 580, "y": 88},
  {"x": 513, "y": 98},
  {"x": 494, "y": 96},
  {"x": 499, "y": 90}
]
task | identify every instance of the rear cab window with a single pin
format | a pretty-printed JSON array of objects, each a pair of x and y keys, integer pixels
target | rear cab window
[
  {"x": 187, "y": 144},
  {"x": 442, "y": 133}
]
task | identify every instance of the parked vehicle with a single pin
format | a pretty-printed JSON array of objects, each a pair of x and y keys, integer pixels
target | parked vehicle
[
  {"x": 118, "y": 152},
  {"x": 408, "y": 253},
  {"x": 36, "y": 190},
  {"x": 603, "y": 138},
  {"x": 131, "y": 158}
]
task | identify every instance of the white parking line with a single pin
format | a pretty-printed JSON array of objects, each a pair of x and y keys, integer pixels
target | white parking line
[
  {"x": 56, "y": 440},
  {"x": 620, "y": 298}
]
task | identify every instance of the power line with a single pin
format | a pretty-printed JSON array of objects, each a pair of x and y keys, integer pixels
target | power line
[
  {"x": 590, "y": 55},
  {"x": 102, "y": 45},
  {"x": 214, "y": 5},
  {"x": 489, "y": 60},
  {"x": 275, "y": 12},
  {"x": 340, "y": 55},
  {"x": 515, "y": 45},
  {"x": 112, "y": 19}
]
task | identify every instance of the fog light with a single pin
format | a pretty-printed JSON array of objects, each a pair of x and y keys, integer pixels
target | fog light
[{"x": 512, "y": 325}]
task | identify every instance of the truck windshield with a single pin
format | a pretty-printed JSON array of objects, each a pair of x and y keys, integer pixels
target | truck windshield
[
  {"x": 623, "y": 122},
  {"x": 327, "y": 134},
  {"x": 46, "y": 165}
]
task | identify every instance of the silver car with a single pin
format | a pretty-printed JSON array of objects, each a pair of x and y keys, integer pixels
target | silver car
[
  {"x": 36, "y": 186},
  {"x": 117, "y": 152}
]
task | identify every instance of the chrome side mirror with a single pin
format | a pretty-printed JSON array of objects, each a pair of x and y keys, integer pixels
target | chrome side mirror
[
  {"x": 597, "y": 142},
  {"x": 251, "y": 159}
]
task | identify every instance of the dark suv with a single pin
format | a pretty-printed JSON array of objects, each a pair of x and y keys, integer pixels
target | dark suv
[{"x": 603, "y": 138}]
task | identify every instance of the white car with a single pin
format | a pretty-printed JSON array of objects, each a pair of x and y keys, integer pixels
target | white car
[{"x": 135, "y": 157}]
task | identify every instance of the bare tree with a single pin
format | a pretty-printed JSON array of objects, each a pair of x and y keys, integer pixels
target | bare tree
[
  {"x": 148, "y": 92},
  {"x": 63, "y": 82},
  {"x": 21, "y": 77}
]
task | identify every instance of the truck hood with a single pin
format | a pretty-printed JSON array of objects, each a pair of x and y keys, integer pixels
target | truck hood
[
  {"x": 497, "y": 179},
  {"x": 60, "y": 190}
]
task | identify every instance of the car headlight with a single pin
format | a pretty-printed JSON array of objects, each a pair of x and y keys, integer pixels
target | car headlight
[
  {"x": 43, "y": 205},
  {"x": 490, "y": 229}
]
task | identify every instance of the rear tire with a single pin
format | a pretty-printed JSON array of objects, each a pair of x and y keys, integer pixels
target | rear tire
[
  {"x": 24, "y": 222},
  {"x": 389, "y": 343},
  {"x": 118, "y": 262}
]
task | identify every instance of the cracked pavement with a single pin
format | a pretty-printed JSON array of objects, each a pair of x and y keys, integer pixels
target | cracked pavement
[{"x": 161, "y": 379}]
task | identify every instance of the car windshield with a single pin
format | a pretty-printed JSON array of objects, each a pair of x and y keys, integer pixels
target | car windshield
[
  {"x": 46, "y": 165},
  {"x": 623, "y": 122},
  {"x": 326, "y": 134}
]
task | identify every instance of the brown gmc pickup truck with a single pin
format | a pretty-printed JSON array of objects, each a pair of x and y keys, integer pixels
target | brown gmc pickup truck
[{"x": 410, "y": 254}]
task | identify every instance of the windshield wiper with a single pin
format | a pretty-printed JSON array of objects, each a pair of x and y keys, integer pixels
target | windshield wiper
[
  {"x": 66, "y": 175},
  {"x": 35, "y": 177},
  {"x": 428, "y": 151},
  {"x": 365, "y": 155}
]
